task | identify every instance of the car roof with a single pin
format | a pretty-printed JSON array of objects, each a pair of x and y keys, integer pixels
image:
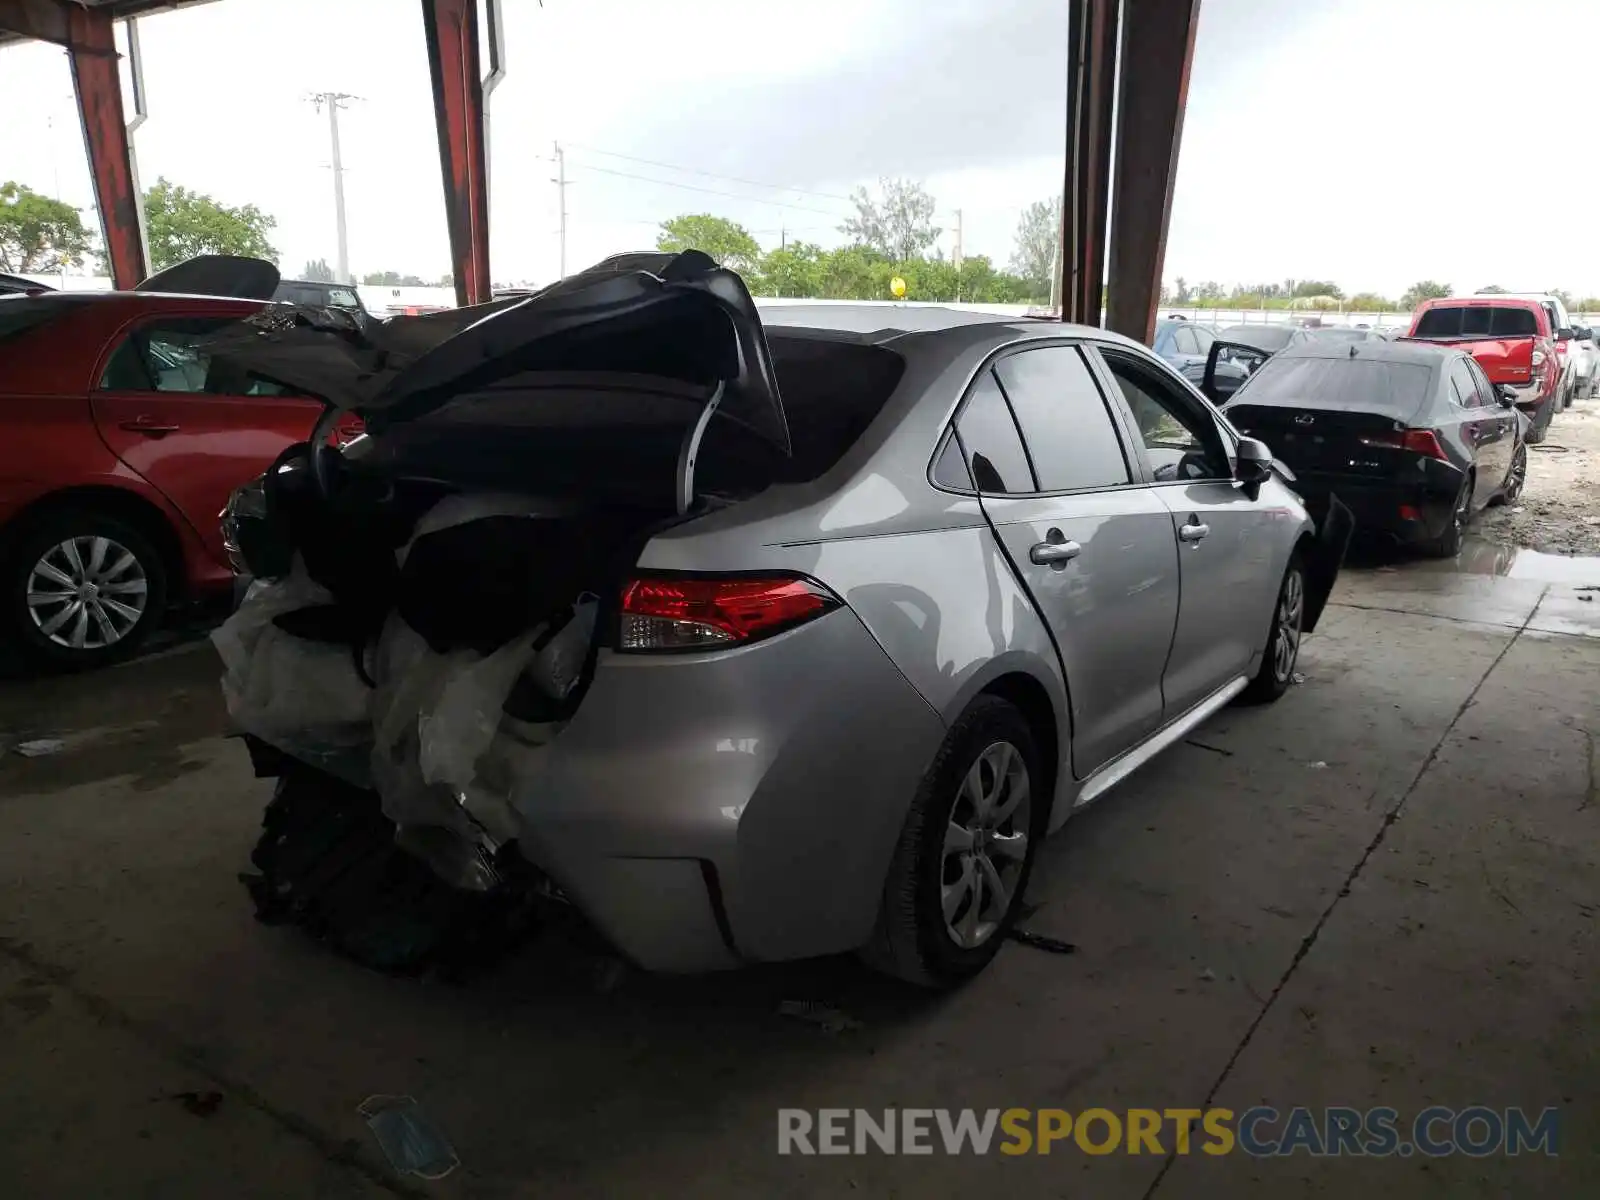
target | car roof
[
  {"x": 1376, "y": 350},
  {"x": 887, "y": 320}
]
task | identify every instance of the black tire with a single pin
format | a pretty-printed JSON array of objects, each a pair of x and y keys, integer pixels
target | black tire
[
  {"x": 41, "y": 542},
  {"x": 1516, "y": 477},
  {"x": 1448, "y": 543},
  {"x": 1276, "y": 672},
  {"x": 914, "y": 940}
]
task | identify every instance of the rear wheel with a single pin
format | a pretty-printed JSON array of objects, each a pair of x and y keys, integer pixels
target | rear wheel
[
  {"x": 1448, "y": 543},
  {"x": 1282, "y": 652},
  {"x": 1516, "y": 477},
  {"x": 965, "y": 852},
  {"x": 82, "y": 589}
]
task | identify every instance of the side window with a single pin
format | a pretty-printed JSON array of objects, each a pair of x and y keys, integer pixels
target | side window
[
  {"x": 1071, "y": 437},
  {"x": 1486, "y": 394},
  {"x": 998, "y": 462},
  {"x": 1180, "y": 436},
  {"x": 1186, "y": 342},
  {"x": 166, "y": 356},
  {"x": 1464, "y": 385},
  {"x": 1202, "y": 340}
]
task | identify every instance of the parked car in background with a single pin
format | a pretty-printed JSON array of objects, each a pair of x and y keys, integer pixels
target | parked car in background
[
  {"x": 1560, "y": 334},
  {"x": 1268, "y": 337},
  {"x": 1328, "y": 334},
  {"x": 1414, "y": 438},
  {"x": 1513, "y": 340},
  {"x": 1585, "y": 355},
  {"x": 1187, "y": 345},
  {"x": 120, "y": 446},
  {"x": 15, "y": 284},
  {"x": 958, "y": 523},
  {"x": 317, "y": 293}
]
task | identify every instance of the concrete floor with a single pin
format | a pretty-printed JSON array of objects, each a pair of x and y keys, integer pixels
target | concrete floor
[{"x": 1382, "y": 890}]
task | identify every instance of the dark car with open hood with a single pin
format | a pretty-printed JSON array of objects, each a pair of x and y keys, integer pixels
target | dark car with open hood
[{"x": 739, "y": 636}]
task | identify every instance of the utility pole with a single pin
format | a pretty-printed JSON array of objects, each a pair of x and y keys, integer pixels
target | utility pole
[
  {"x": 958, "y": 255},
  {"x": 334, "y": 102},
  {"x": 561, "y": 199}
]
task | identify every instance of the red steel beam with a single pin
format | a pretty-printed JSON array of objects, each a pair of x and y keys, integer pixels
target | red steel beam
[
  {"x": 1091, "y": 75},
  {"x": 96, "y": 77},
  {"x": 451, "y": 27},
  {"x": 1157, "y": 53}
]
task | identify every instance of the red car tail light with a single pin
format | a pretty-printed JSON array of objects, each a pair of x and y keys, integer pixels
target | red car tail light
[
  {"x": 1419, "y": 441},
  {"x": 701, "y": 612}
]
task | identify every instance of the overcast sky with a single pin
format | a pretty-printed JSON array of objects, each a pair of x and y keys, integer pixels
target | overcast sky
[{"x": 1373, "y": 142}]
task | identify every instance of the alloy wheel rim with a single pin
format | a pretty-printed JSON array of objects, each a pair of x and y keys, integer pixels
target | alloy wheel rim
[
  {"x": 87, "y": 593},
  {"x": 1291, "y": 610},
  {"x": 985, "y": 845}
]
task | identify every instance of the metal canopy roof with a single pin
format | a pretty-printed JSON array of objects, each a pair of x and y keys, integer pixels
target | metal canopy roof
[{"x": 46, "y": 20}]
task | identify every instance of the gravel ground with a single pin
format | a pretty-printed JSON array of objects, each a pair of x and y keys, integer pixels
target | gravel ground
[{"x": 1559, "y": 512}]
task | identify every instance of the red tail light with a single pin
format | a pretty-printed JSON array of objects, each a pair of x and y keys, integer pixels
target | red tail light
[
  {"x": 687, "y": 612},
  {"x": 1419, "y": 441}
]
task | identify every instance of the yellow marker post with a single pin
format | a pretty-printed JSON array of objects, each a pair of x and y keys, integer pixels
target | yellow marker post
[{"x": 897, "y": 288}]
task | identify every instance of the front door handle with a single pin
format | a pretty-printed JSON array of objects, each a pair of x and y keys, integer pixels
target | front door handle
[
  {"x": 1054, "y": 554},
  {"x": 1192, "y": 532},
  {"x": 147, "y": 426}
]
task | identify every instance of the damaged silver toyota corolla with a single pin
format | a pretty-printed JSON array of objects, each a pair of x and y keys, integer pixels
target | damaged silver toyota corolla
[{"x": 744, "y": 639}]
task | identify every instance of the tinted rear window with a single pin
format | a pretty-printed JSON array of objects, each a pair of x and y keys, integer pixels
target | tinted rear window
[
  {"x": 1396, "y": 389},
  {"x": 1268, "y": 337},
  {"x": 1476, "y": 320}
]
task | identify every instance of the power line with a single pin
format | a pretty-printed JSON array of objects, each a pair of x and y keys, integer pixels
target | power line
[
  {"x": 689, "y": 187},
  {"x": 666, "y": 166}
]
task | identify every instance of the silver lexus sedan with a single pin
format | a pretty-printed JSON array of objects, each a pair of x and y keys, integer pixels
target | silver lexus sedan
[{"x": 838, "y": 698}]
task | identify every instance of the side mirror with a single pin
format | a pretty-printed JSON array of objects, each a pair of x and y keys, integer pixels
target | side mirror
[
  {"x": 1254, "y": 464},
  {"x": 1505, "y": 394},
  {"x": 1564, "y": 334}
]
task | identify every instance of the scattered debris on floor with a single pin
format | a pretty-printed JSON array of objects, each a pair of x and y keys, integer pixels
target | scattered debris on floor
[
  {"x": 41, "y": 747},
  {"x": 1208, "y": 975},
  {"x": 1040, "y": 941},
  {"x": 1199, "y": 745},
  {"x": 831, "y": 1019},
  {"x": 199, "y": 1104},
  {"x": 1297, "y": 677},
  {"x": 1319, "y": 765},
  {"x": 412, "y": 1143}
]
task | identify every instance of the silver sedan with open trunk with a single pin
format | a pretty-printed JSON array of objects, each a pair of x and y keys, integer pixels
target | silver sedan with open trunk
[{"x": 882, "y": 595}]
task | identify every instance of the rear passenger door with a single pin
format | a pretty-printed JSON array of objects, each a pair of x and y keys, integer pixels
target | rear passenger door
[
  {"x": 1229, "y": 546},
  {"x": 1093, "y": 546},
  {"x": 164, "y": 411},
  {"x": 1486, "y": 426}
]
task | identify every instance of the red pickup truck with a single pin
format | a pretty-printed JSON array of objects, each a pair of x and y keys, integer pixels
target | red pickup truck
[{"x": 1513, "y": 341}]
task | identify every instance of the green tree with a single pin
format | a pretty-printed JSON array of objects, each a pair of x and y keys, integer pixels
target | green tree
[
  {"x": 394, "y": 279},
  {"x": 1494, "y": 289},
  {"x": 897, "y": 225},
  {"x": 1369, "y": 302},
  {"x": 726, "y": 241},
  {"x": 1038, "y": 239},
  {"x": 1311, "y": 288},
  {"x": 1426, "y": 289},
  {"x": 1181, "y": 293},
  {"x": 794, "y": 270},
  {"x": 36, "y": 232},
  {"x": 183, "y": 224},
  {"x": 317, "y": 269}
]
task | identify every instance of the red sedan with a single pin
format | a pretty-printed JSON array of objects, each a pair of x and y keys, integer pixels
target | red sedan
[{"x": 120, "y": 446}]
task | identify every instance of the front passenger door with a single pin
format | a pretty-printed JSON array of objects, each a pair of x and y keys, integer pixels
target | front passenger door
[
  {"x": 1228, "y": 544},
  {"x": 1090, "y": 542},
  {"x": 1491, "y": 425}
]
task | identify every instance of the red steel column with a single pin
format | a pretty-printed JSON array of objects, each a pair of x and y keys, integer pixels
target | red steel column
[
  {"x": 451, "y": 27},
  {"x": 1157, "y": 52},
  {"x": 98, "y": 82},
  {"x": 1091, "y": 64}
]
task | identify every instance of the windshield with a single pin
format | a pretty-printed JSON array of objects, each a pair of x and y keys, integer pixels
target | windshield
[
  {"x": 1268, "y": 337},
  {"x": 1396, "y": 389},
  {"x": 1476, "y": 320},
  {"x": 1339, "y": 335}
]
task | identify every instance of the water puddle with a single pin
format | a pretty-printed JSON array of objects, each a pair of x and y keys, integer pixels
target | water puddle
[{"x": 1487, "y": 558}]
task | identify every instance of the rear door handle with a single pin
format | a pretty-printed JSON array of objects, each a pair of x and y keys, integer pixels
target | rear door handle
[
  {"x": 1054, "y": 553},
  {"x": 147, "y": 426},
  {"x": 1192, "y": 532}
]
